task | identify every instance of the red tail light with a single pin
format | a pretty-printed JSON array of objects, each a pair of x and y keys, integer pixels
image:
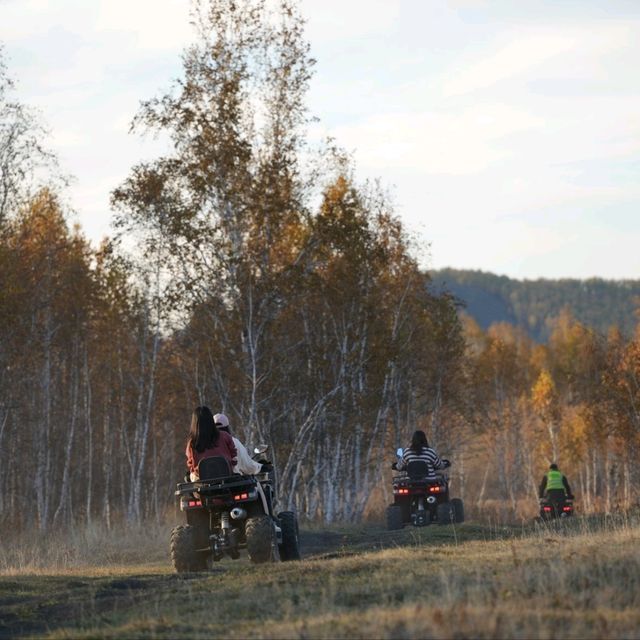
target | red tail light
[
  {"x": 241, "y": 496},
  {"x": 566, "y": 508},
  {"x": 435, "y": 489},
  {"x": 195, "y": 503},
  {"x": 547, "y": 508}
]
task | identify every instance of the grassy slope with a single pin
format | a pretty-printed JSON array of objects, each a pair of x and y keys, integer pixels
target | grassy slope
[{"x": 577, "y": 582}]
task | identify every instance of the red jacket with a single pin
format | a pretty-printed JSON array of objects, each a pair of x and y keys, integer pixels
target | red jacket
[{"x": 224, "y": 447}]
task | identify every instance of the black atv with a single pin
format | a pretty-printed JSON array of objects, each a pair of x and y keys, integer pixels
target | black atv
[
  {"x": 552, "y": 507},
  {"x": 419, "y": 501},
  {"x": 227, "y": 512}
]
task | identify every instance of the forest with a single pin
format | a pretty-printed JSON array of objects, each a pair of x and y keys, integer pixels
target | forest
[
  {"x": 252, "y": 271},
  {"x": 533, "y": 304}
]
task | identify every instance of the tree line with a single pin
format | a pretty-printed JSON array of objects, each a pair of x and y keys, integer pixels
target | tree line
[
  {"x": 268, "y": 283},
  {"x": 532, "y": 304},
  {"x": 572, "y": 400}
]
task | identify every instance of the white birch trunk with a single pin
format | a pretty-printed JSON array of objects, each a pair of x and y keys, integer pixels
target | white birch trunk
[
  {"x": 89, "y": 427},
  {"x": 64, "y": 502}
]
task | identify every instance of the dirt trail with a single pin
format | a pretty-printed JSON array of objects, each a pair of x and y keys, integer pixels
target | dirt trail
[
  {"x": 36, "y": 605},
  {"x": 338, "y": 542}
]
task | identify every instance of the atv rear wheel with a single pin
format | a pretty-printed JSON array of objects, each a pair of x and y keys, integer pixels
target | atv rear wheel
[
  {"x": 458, "y": 510},
  {"x": 445, "y": 513},
  {"x": 183, "y": 550},
  {"x": 290, "y": 548},
  {"x": 261, "y": 540},
  {"x": 394, "y": 517}
]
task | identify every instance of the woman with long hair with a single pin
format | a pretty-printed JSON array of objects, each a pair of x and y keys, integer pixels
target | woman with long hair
[
  {"x": 419, "y": 450},
  {"x": 206, "y": 440},
  {"x": 419, "y": 442}
]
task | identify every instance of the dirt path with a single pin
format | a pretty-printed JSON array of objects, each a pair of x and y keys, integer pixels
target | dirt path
[
  {"x": 348, "y": 540},
  {"x": 37, "y": 605}
]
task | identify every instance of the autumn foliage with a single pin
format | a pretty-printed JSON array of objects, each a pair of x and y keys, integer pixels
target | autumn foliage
[{"x": 268, "y": 283}]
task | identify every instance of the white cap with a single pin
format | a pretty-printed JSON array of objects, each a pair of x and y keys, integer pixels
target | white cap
[{"x": 221, "y": 420}]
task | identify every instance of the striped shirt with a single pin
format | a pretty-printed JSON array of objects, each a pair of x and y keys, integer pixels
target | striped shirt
[{"x": 428, "y": 455}]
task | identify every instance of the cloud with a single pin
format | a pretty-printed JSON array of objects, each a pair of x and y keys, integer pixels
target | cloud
[
  {"x": 528, "y": 50},
  {"x": 142, "y": 25},
  {"x": 153, "y": 25},
  {"x": 454, "y": 143},
  {"x": 331, "y": 20}
]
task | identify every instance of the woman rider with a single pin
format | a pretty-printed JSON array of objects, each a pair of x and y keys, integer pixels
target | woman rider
[
  {"x": 206, "y": 440},
  {"x": 419, "y": 450}
]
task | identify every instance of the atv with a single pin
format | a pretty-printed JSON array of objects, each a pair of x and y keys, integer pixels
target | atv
[
  {"x": 227, "y": 512},
  {"x": 556, "y": 507},
  {"x": 420, "y": 501}
]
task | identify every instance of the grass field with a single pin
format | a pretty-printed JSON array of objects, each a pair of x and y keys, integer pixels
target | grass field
[{"x": 580, "y": 580}]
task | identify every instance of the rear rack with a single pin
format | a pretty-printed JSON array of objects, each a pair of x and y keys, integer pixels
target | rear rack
[
  {"x": 404, "y": 477},
  {"x": 205, "y": 486}
]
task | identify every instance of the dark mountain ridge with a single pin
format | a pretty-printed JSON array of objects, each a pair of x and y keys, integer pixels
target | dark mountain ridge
[{"x": 531, "y": 304}]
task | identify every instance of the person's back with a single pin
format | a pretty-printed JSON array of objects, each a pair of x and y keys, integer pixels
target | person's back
[
  {"x": 245, "y": 465},
  {"x": 207, "y": 441},
  {"x": 420, "y": 451},
  {"x": 555, "y": 485}
]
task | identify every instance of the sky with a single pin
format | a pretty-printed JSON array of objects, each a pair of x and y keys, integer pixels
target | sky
[{"x": 507, "y": 132}]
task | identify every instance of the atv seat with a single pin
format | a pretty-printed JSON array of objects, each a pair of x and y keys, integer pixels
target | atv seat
[
  {"x": 213, "y": 468},
  {"x": 417, "y": 470}
]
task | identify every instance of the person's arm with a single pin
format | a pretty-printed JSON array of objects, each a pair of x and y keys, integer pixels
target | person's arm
[
  {"x": 543, "y": 486},
  {"x": 231, "y": 447},
  {"x": 437, "y": 462},
  {"x": 190, "y": 462},
  {"x": 246, "y": 464},
  {"x": 402, "y": 464}
]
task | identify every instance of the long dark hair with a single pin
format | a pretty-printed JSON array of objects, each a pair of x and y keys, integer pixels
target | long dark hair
[
  {"x": 418, "y": 441},
  {"x": 203, "y": 433}
]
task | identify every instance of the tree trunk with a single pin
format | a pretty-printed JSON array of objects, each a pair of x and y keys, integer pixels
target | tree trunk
[{"x": 64, "y": 503}]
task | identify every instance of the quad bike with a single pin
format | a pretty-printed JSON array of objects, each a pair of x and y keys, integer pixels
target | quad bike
[
  {"x": 420, "y": 501},
  {"x": 556, "y": 507},
  {"x": 225, "y": 513}
]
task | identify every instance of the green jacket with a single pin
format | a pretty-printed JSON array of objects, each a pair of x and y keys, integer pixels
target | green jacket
[{"x": 554, "y": 480}]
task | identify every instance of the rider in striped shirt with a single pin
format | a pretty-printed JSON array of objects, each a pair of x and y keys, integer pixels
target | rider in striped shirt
[{"x": 421, "y": 451}]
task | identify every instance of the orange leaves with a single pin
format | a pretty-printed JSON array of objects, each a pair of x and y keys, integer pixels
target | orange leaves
[
  {"x": 48, "y": 266},
  {"x": 544, "y": 397},
  {"x": 577, "y": 432}
]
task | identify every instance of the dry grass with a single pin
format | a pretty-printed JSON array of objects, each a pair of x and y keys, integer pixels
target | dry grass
[
  {"x": 576, "y": 581},
  {"x": 85, "y": 547}
]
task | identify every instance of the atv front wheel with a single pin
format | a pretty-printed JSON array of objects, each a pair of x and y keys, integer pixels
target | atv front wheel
[
  {"x": 289, "y": 549},
  {"x": 394, "y": 517},
  {"x": 262, "y": 545},
  {"x": 183, "y": 550},
  {"x": 458, "y": 510}
]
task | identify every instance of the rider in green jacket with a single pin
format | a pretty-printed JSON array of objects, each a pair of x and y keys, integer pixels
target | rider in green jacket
[{"x": 555, "y": 485}]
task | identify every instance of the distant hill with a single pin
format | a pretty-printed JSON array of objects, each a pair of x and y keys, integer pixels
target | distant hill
[{"x": 531, "y": 303}]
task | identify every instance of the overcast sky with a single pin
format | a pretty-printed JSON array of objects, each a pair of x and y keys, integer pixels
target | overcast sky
[{"x": 508, "y": 131}]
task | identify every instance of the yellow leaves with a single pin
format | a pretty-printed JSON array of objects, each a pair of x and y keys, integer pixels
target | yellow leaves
[
  {"x": 474, "y": 336},
  {"x": 42, "y": 222},
  {"x": 335, "y": 196},
  {"x": 576, "y": 432},
  {"x": 342, "y": 222},
  {"x": 544, "y": 397}
]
